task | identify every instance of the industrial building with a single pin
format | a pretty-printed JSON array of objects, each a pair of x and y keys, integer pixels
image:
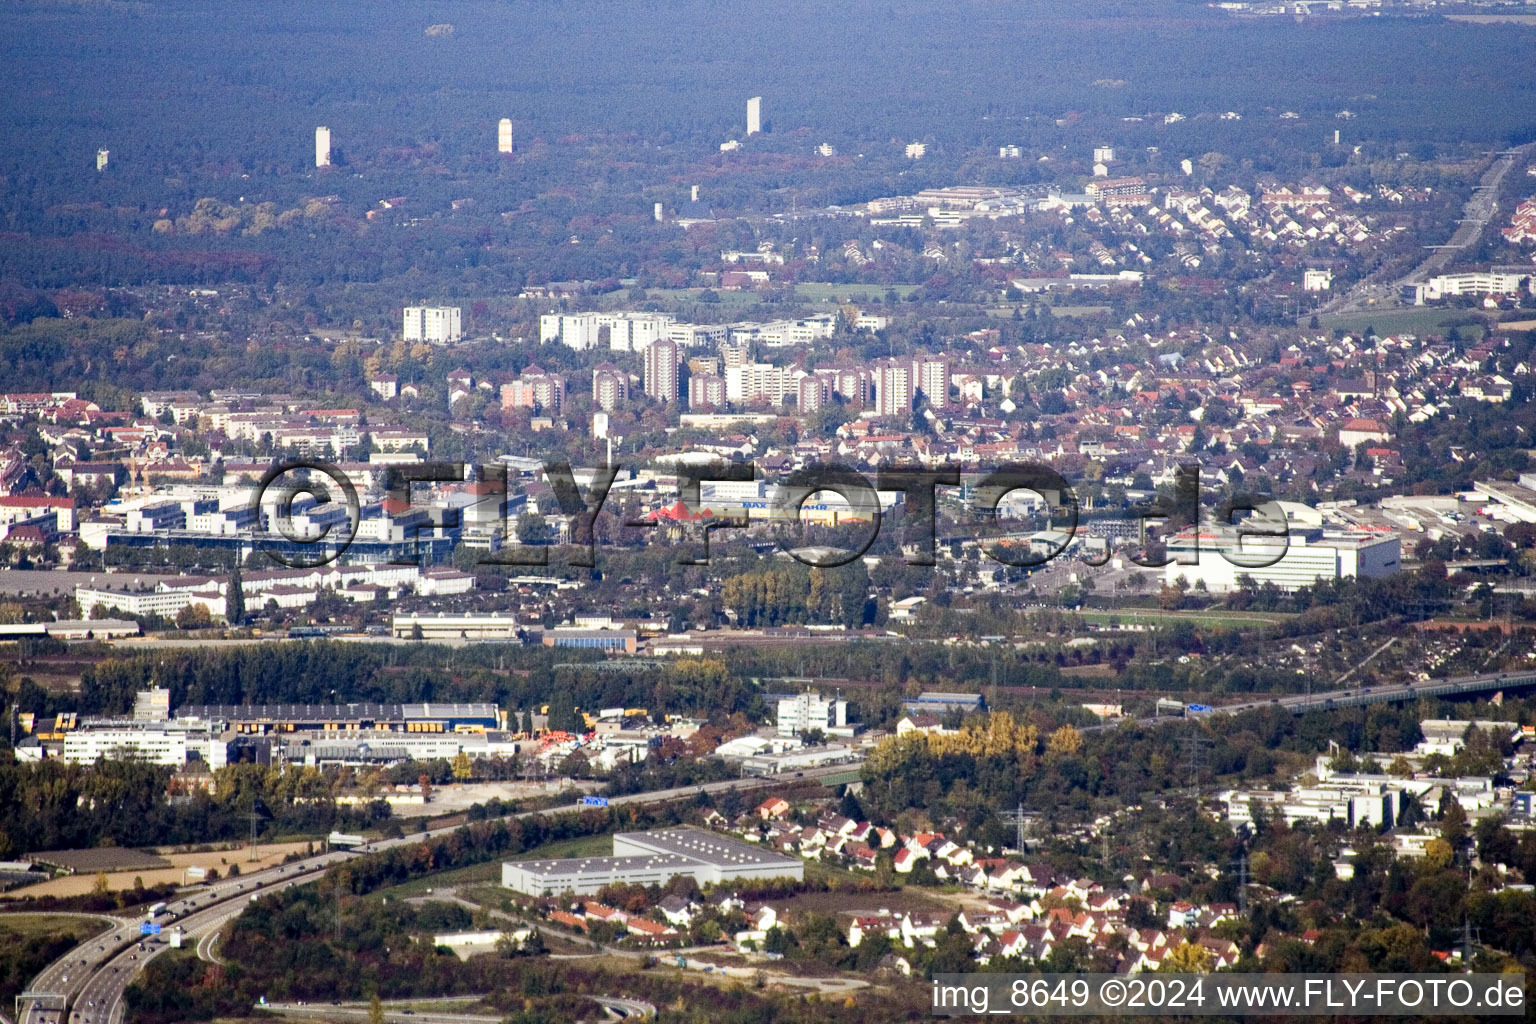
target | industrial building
[
  {"x": 285, "y": 718},
  {"x": 811, "y": 711},
  {"x": 938, "y": 702},
  {"x": 1299, "y": 560},
  {"x": 652, "y": 858},
  {"x": 415, "y": 626},
  {"x": 624, "y": 640}
]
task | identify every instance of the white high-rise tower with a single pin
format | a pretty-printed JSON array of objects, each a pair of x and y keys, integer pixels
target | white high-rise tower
[
  {"x": 102, "y": 156},
  {"x": 504, "y": 136},
  {"x": 754, "y": 115},
  {"x": 322, "y": 147}
]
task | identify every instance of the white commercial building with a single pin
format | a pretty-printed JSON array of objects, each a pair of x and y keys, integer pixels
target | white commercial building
[
  {"x": 504, "y": 136},
  {"x": 1294, "y": 562},
  {"x": 322, "y": 147},
  {"x": 1490, "y": 282},
  {"x": 439, "y": 325},
  {"x": 166, "y": 743},
  {"x": 811, "y": 711},
  {"x": 414, "y": 625},
  {"x": 652, "y": 858},
  {"x": 754, "y": 115}
]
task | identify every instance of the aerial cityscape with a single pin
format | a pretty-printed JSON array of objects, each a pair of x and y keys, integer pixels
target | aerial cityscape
[{"x": 518, "y": 513}]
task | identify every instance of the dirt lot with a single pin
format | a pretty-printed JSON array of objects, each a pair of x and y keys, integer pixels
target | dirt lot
[{"x": 75, "y": 885}]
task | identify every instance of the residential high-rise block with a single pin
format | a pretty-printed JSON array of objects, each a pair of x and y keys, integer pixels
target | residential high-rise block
[
  {"x": 534, "y": 389},
  {"x": 322, "y": 147},
  {"x": 706, "y": 391},
  {"x": 504, "y": 136},
  {"x": 893, "y": 388},
  {"x": 439, "y": 325},
  {"x": 610, "y": 386},
  {"x": 662, "y": 366},
  {"x": 930, "y": 378},
  {"x": 102, "y": 156},
  {"x": 754, "y": 115}
]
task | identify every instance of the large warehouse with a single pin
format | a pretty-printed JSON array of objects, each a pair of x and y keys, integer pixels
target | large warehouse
[
  {"x": 651, "y": 858},
  {"x": 283, "y": 718}
]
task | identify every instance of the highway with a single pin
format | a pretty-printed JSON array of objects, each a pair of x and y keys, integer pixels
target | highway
[
  {"x": 1332, "y": 700},
  {"x": 1475, "y": 215},
  {"x": 86, "y": 985},
  {"x": 617, "y": 1007}
]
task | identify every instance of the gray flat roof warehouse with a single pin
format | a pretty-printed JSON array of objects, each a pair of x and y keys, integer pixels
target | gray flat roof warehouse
[{"x": 651, "y": 858}]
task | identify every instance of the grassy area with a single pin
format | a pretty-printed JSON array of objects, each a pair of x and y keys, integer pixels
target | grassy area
[
  {"x": 30, "y": 942},
  {"x": 30, "y": 925},
  {"x": 1131, "y": 616},
  {"x": 490, "y": 872},
  {"x": 735, "y": 299},
  {"x": 822, "y": 292},
  {"x": 1420, "y": 320},
  {"x": 581, "y": 846}
]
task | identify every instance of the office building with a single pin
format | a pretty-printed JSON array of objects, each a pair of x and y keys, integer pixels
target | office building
[
  {"x": 165, "y": 743},
  {"x": 1488, "y": 282},
  {"x": 102, "y": 156},
  {"x": 437, "y": 325},
  {"x": 754, "y": 115},
  {"x": 504, "y": 136},
  {"x": 322, "y": 147},
  {"x": 811, "y": 711},
  {"x": 662, "y": 368},
  {"x": 652, "y": 858}
]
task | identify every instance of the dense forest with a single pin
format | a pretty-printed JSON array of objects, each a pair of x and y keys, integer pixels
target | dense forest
[{"x": 209, "y": 122}]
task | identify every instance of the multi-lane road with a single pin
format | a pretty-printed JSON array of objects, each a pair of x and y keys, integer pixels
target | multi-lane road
[
  {"x": 86, "y": 985},
  {"x": 1359, "y": 696},
  {"x": 1478, "y": 210}
]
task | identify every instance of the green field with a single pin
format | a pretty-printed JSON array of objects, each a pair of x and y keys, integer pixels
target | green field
[
  {"x": 822, "y": 292},
  {"x": 1130, "y": 616},
  {"x": 728, "y": 299},
  {"x": 581, "y": 846},
  {"x": 30, "y": 942},
  {"x": 1420, "y": 320}
]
